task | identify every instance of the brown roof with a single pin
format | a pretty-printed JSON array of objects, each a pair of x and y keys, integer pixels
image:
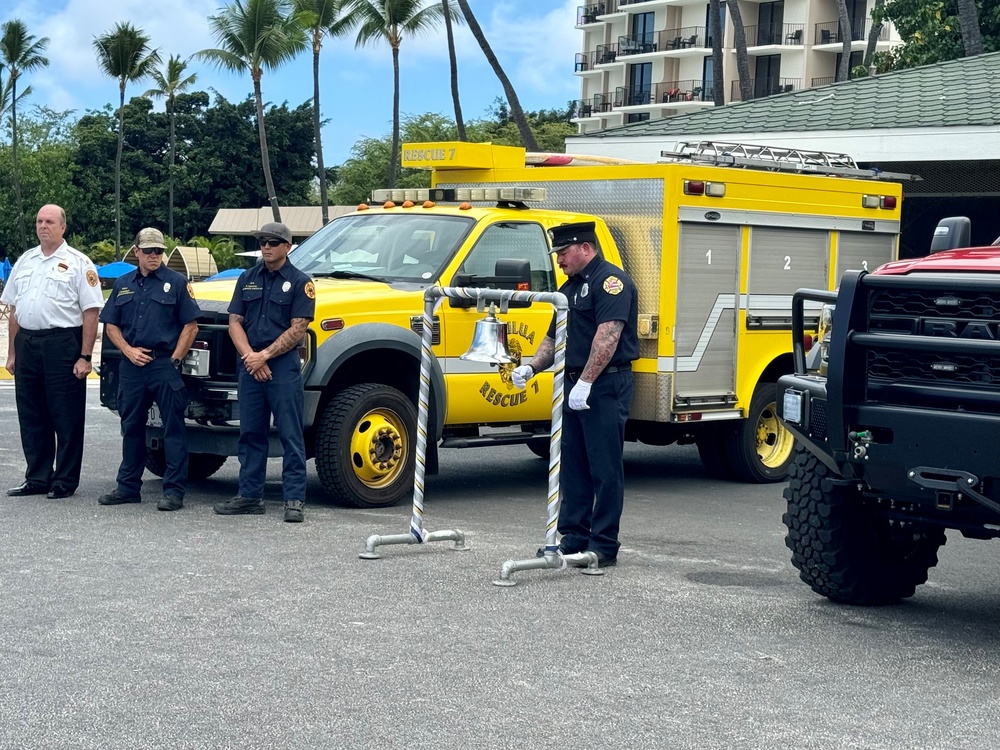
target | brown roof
[{"x": 302, "y": 220}]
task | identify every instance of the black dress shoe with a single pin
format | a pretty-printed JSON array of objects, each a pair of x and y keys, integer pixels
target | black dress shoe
[
  {"x": 27, "y": 488},
  {"x": 58, "y": 493}
]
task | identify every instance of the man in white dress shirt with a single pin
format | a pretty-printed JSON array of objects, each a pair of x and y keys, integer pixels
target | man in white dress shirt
[{"x": 54, "y": 297}]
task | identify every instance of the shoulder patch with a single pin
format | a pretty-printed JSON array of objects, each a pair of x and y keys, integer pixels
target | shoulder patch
[
  {"x": 92, "y": 277},
  {"x": 310, "y": 290},
  {"x": 613, "y": 285},
  {"x": 190, "y": 290}
]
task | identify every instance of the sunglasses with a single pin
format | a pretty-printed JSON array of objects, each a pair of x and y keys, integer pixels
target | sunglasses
[
  {"x": 270, "y": 243},
  {"x": 151, "y": 250}
]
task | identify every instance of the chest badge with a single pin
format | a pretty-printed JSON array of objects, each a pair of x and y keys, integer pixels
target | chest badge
[
  {"x": 586, "y": 289},
  {"x": 286, "y": 286},
  {"x": 166, "y": 287},
  {"x": 613, "y": 285}
]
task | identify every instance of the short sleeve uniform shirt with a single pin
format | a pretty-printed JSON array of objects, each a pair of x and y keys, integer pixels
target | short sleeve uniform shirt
[
  {"x": 151, "y": 310},
  {"x": 54, "y": 291},
  {"x": 268, "y": 300}
]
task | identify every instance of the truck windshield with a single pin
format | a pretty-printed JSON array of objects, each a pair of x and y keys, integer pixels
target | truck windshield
[{"x": 383, "y": 246}]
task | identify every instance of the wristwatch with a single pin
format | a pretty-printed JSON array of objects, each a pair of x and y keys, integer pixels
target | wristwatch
[
  {"x": 176, "y": 362},
  {"x": 85, "y": 357}
]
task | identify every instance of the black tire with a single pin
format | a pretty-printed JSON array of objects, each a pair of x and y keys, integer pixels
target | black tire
[
  {"x": 200, "y": 465},
  {"x": 540, "y": 447},
  {"x": 760, "y": 449},
  {"x": 843, "y": 548},
  {"x": 366, "y": 446},
  {"x": 711, "y": 442}
]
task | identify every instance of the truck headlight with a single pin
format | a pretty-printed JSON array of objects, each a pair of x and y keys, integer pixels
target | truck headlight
[{"x": 792, "y": 406}]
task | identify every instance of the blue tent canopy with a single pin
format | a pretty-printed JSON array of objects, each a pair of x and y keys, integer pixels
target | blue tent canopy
[
  {"x": 5, "y": 269},
  {"x": 114, "y": 270},
  {"x": 229, "y": 273}
]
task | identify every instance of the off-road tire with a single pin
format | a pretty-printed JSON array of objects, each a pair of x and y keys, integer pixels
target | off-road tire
[
  {"x": 760, "y": 449},
  {"x": 346, "y": 465},
  {"x": 200, "y": 465},
  {"x": 843, "y": 548}
]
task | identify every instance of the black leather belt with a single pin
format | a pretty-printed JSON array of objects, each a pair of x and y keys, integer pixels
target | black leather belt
[
  {"x": 575, "y": 374},
  {"x": 45, "y": 332}
]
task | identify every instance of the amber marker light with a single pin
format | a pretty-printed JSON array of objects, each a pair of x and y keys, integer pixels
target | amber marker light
[{"x": 429, "y": 204}]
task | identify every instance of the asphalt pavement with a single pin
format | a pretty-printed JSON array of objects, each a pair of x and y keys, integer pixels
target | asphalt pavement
[{"x": 126, "y": 627}]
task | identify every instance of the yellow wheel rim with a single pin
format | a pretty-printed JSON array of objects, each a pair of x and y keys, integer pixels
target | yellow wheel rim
[
  {"x": 774, "y": 442},
  {"x": 378, "y": 448}
]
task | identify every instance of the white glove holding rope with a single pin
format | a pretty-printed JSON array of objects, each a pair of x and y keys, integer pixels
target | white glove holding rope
[
  {"x": 520, "y": 376},
  {"x": 578, "y": 396}
]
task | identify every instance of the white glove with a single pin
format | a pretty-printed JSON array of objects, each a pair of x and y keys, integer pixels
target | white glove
[
  {"x": 520, "y": 376},
  {"x": 578, "y": 396}
]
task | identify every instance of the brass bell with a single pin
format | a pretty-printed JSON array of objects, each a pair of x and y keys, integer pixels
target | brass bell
[{"x": 489, "y": 341}]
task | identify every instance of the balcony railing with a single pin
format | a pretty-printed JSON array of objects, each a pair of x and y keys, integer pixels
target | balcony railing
[
  {"x": 761, "y": 87},
  {"x": 633, "y": 96},
  {"x": 669, "y": 92},
  {"x": 829, "y": 32},
  {"x": 583, "y": 61},
  {"x": 588, "y": 13},
  {"x": 683, "y": 38},
  {"x": 636, "y": 44},
  {"x": 824, "y": 81},
  {"x": 775, "y": 33},
  {"x": 605, "y": 53}
]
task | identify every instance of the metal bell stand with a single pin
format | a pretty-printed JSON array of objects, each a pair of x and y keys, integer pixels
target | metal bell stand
[{"x": 551, "y": 559}]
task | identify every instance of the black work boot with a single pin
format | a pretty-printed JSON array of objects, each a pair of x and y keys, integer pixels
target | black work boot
[
  {"x": 118, "y": 498},
  {"x": 240, "y": 505},
  {"x": 170, "y": 502},
  {"x": 293, "y": 511}
]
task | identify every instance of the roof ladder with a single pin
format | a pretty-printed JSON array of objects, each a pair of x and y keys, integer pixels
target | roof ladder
[{"x": 776, "y": 159}]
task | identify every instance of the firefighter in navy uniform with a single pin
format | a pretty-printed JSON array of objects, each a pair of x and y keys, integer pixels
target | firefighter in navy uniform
[
  {"x": 600, "y": 347},
  {"x": 271, "y": 308},
  {"x": 151, "y": 317}
]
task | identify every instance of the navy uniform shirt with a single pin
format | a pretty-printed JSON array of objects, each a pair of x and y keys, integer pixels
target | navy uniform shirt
[
  {"x": 599, "y": 293},
  {"x": 151, "y": 310},
  {"x": 268, "y": 300}
]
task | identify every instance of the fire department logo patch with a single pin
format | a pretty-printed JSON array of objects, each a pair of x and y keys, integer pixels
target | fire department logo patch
[
  {"x": 92, "y": 277},
  {"x": 613, "y": 285},
  {"x": 190, "y": 290},
  {"x": 310, "y": 290}
]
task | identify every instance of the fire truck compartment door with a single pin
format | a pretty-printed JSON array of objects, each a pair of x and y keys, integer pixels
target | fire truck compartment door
[
  {"x": 705, "y": 328},
  {"x": 863, "y": 251}
]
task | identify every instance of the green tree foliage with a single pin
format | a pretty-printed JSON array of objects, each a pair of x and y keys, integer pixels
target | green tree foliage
[
  {"x": 365, "y": 170},
  {"x": 931, "y": 31}
]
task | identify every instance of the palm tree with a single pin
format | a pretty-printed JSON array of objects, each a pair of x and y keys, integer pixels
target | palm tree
[
  {"x": 20, "y": 52},
  {"x": 389, "y": 21},
  {"x": 873, "y": 33},
  {"x": 516, "y": 113},
  {"x": 716, "y": 32},
  {"x": 322, "y": 17},
  {"x": 124, "y": 53},
  {"x": 968, "y": 19},
  {"x": 846, "y": 37},
  {"x": 453, "y": 62},
  {"x": 169, "y": 84},
  {"x": 740, "y": 43},
  {"x": 254, "y": 35}
]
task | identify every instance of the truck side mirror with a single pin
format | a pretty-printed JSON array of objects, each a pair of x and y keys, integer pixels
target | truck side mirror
[{"x": 955, "y": 231}]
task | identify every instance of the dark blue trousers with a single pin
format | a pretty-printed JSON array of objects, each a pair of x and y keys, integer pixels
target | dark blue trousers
[
  {"x": 592, "y": 477},
  {"x": 281, "y": 396},
  {"x": 138, "y": 388},
  {"x": 51, "y": 404}
]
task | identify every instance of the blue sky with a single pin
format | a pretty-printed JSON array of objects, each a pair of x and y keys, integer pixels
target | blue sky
[{"x": 534, "y": 40}]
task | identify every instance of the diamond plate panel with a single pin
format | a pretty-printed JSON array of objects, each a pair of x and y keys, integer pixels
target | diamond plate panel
[{"x": 651, "y": 397}]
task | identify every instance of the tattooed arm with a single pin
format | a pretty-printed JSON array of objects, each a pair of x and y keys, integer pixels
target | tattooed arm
[
  {"x": 288, "y": 340},
  {"x": 545, "y": 355},
  {"x": 602, "y": 349}
]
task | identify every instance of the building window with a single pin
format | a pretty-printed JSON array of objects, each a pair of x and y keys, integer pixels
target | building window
[
  {"x": 708, "y": 79},
  {"x": 642, "y": 28},
  {"x": 640, "y": 83},
  {"x": 637, "y": 117},
  {"x": 767, "y": 74},
  {"x": 769, "y": 20}
]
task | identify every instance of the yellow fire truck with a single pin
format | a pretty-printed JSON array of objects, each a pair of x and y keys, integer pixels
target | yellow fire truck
[{"x": 716, "y": 237}]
